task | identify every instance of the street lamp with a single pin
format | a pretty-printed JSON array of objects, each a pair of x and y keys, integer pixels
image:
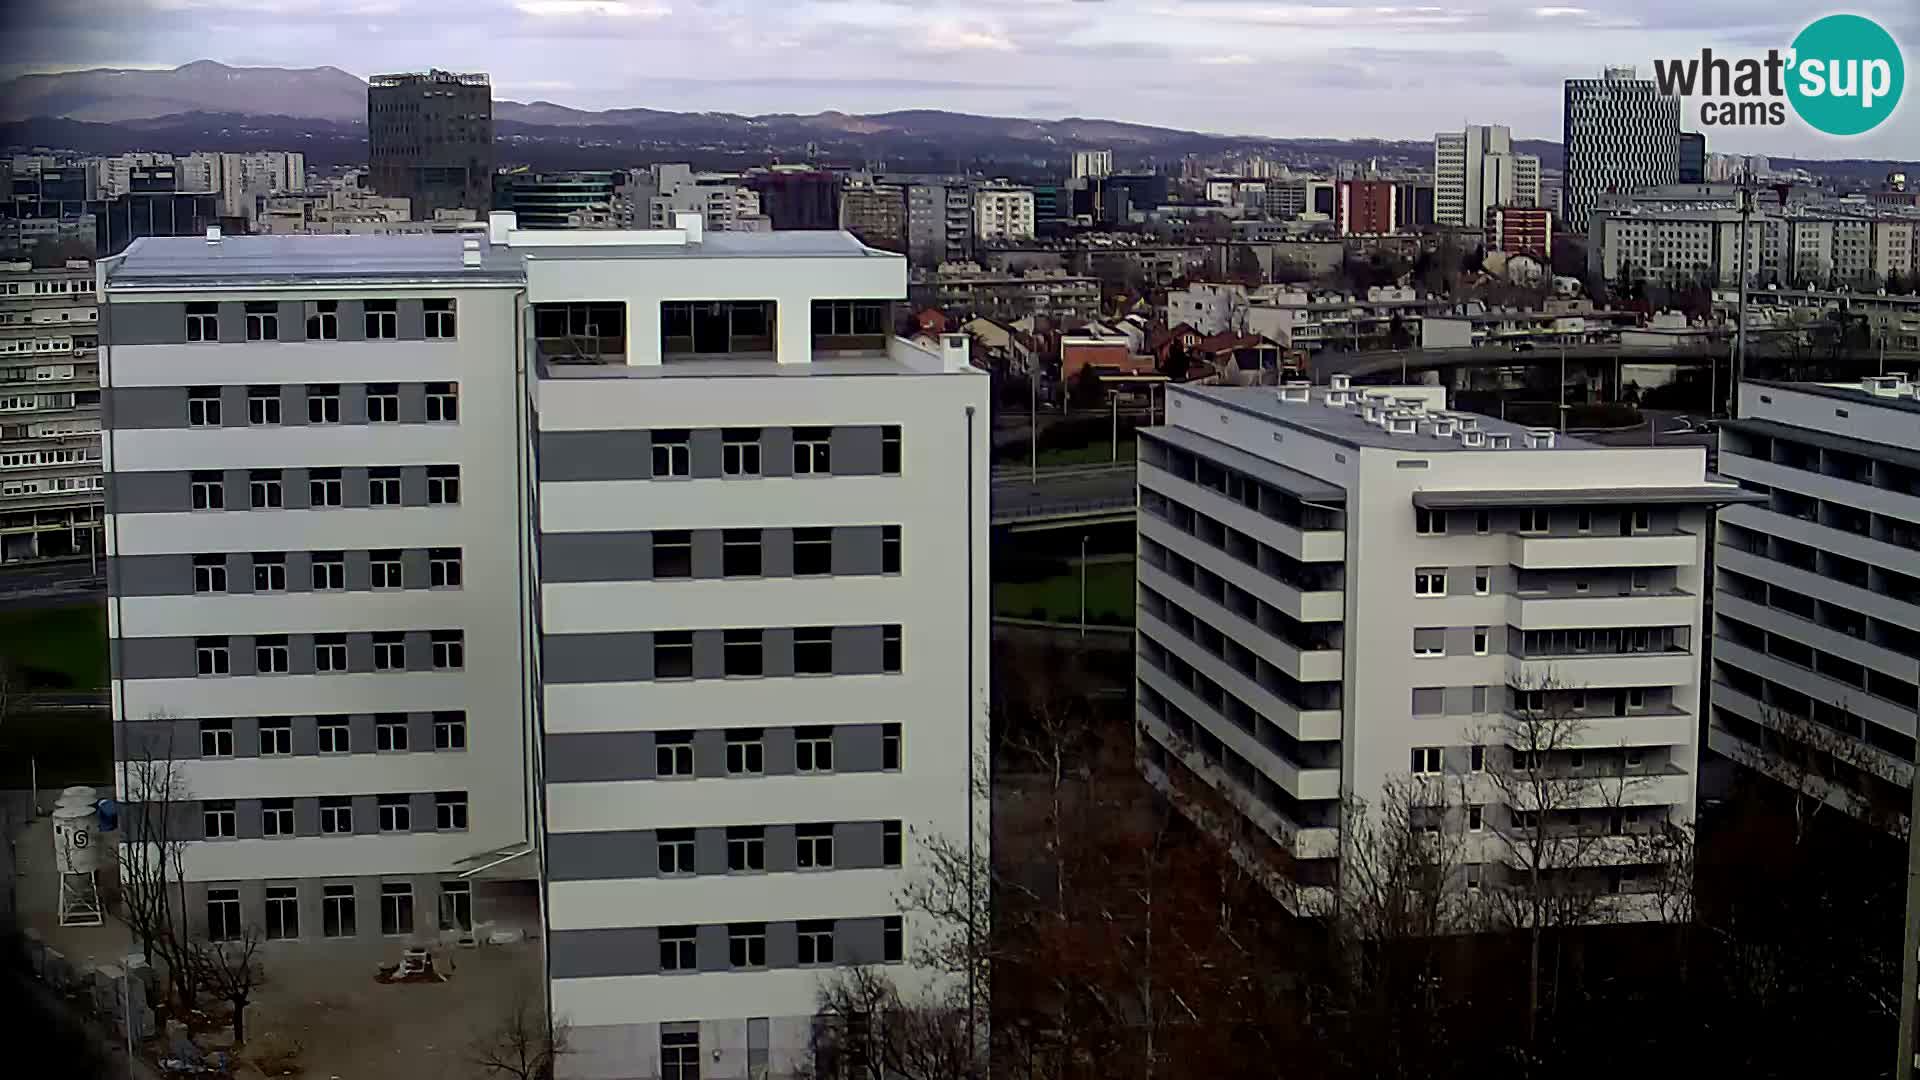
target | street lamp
[{"x": 1083, "y": 585}]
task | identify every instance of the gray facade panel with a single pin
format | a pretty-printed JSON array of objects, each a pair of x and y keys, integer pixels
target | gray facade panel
[
  {"x": 780, "y": 845},
  {"x": 709, "y": 753},
  {"x": 306, "y": 735},
  {"x": 414, "y": 572},
  {"x": 358, "y": 576},
  {"x": 590, "y": 954},
  {"x": 708, "y": 551},
  {"x": 777, "y": 646},
  {"x": 857, "y": 941},
  {"x": 710, "y": 947},
  {"x": 1458, "y": 640},
  {"x": 233, "y": 406},
  {"x": 149, "y": 492},
  {"x": 366, "y": 821},
  {"x": 709, "y": 654},
  {"x": 856, "y": 845},
  {"x": 306, "y": 813},
  {"x": 857, "y": 748},
  {"x": 710, "y": 851},
  {"x": 419, "y": 650},
  {"x": 413, "y": 485},
  {"x": 353, "y": 403},
  {"x": 145, "y": 324},
  {"x": 420, "y": 731},
  {"x": 777, "y": 751},
  {"x": 360, "y": 737},
  {"x": 595, "y": 455},
  {"x": 857, "y": 650},
  {"x": 704, "y": 451},
  {"x": 159, "y": 658},
  {"x": 776, "y": 552},
  {"x": 353, "y": 320},
  {"x": 233, "y": 322},
  {"x": 591, "y": 658},
  {"x": 412, "y": 322},
  {"x": 150, "y": 575},
  {"x": 601, "y": 856},
  {"x": 423, "y": 810},
  {"x": 246, "y": 736},
  {"x": 140, "y": 407},
  {"x": 413, "y": 403},
  {"x": 1457, "y": 701},
  {"x": 359, "y": 651},
  {"x": 614, "y": 556},
  {"x": 776, "y": 451},
  {"x": 856, "y": 549},
  {"x": 293, "y": 489},
  {"x": 246, "y": 816},
  {"x": 354, "y": 492},
  {"x": 1428, "y": 700},
  {"x": 856, "y": 451},
  {"x": 599, "y": 756},
  {"x": 783, "y": 945}
]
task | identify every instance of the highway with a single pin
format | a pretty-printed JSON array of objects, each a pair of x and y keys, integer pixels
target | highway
[
  {"x": 1080, "y": 494},
  {"x": 1365, "y": 364}
]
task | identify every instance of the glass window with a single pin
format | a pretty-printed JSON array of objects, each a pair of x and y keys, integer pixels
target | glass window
[
  {"x": 890, "y": 649},
  {"x": 216, "y": 738},
  {"x": 449, "y": 731},
  {"x": 673, "y": 754},
  {"x": 813, "y": 847},
  {"x": 675, "y": 850},
  {"x": 263, "y": 489},
  {"x": 209, "y": 573},
  {"x": 812, "y": 451},
  {"x": 396, "y": 813},
  {"x": 336, "y": 911},
  {"x": 813, "y": 750},
  {"x": 382, "y": 319},
  {"x": 276, "y": 736},
  {"x": 740, "y": 452},
  {"x": 672, "y": 553},
  {"x": 283, "y": 912},
  {"x": 449, "y": 650},
  {"x": 889, "y": 549},
  {"x": 813, "y": 650},
  {"x": 203, "y": 406},
  {"x": 672, "y": 453},
  {"x": 218, "y": 819},
  {"x": 323, "y": 403},
  {"x": 203, "y": 322},
  {"x": 890, "y": 449},
  {"x": 440, "y": 321},
  {"x": 450, "y": 811},
  {"x": 211, "y": 656},
  {"x": 443, "y": 568},
  {"x": 892, "y": 843},
  {"x": 383, "y": 486},
  {"x": 677, "y": 953},
  {"x": 740, "y": 553},
  {"x": 383, "y": 403},
  {"x": 390, "y": 732},
  {"x": 276, "y": 817},
  {"x": 747, "y": 945},
  {"x": 812, "y": 551},
  {"x": 324, "y": 488},
  {"x": 223, "y": 915},
  {"x": 443, "y": 485},
  {"x": 746, "y": 752},
  {"x": 673, "y": 654},
  {"x": 263, "y": 405},
  {"x": 335, "y": 735},
  {"x": 209, "y": 491},
  {"x": 329, "y": 570},
  {"x": 396, "y": 908},
  {"x": 390, "y": 651},
  {"x": 385, "y": 569},
  {"x": 323, "y": 320},
  {"x": 816, "y": 941},
  {"x": 443, "y": 402},
  {"x": 746, "y": 849}
]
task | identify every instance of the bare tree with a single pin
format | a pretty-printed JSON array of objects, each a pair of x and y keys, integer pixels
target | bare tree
[
  {"x": 1821, "y": 767},
  {"x": 150, "y": 857},
  {"x": 866, "y": 1030},
  {"x": 521, "y": 1044},
  {"x": 230, "y": 969}
]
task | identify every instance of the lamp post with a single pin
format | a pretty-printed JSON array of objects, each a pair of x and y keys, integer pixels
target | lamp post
[
  {"x": 1033, "y": 420},
  {"x": 1910, "y": 935},
  {"x": 1083, "y": 585},
  {"x": 1115, "y": 395}
]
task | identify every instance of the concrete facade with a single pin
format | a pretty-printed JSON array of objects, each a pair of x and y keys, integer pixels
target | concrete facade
[{"x": 50, "y": 478}]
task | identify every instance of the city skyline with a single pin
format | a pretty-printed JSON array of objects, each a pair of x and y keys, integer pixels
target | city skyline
[{"x": 1394, "y": 72}]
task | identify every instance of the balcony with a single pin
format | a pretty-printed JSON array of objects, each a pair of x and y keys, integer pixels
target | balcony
[
  {"x": 1306, "y": 842},
  {"x": 1666, "y": 727},
  {"x": 1295, "y": 721},
  {"x": 1583, "y": 552},
  {"x": 1305, "y": 545},
  {"x": 1321, "y": 605},
  {"x": 1576, "y": 671},
  {"x": 1297, "y": 781},
  {"x": 1303, "y": 664},
  {"x": 1602, "y": 612}
]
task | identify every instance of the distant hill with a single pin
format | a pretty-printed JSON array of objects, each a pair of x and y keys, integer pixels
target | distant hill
[{"x": 112, "y": 95}]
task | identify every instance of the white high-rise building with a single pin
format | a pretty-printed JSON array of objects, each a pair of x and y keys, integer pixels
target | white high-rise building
[
  {"x": 659, "y": 630},
  {"x": 1001, "y": 214},
  {"x": 1816, "y": 590},
  {"x": 1349, "y": 587},
  {"x": 1477, "y": 170},
  {"x": 1621, "y": 134},
  {"x": 1092, "y": 164}
]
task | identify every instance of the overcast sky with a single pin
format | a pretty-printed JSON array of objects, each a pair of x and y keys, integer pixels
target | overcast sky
[{"x": 1235, "y": 66}]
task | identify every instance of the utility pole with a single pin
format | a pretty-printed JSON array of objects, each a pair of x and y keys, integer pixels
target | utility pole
[
  {"x": 1033, "y": 420},
  {"x": 1562, "y": 394},
  {"x": 1740, "y": 331},
  {"x": 1083, "y": 585},
  {"x": 1910, "y": 938},
  {"x": 1115, "y": 395}
]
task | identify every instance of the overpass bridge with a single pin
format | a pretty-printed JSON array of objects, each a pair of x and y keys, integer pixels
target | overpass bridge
[
  {"x": 1364, "y": 365},
  {"x": 1063, "y": 498}
]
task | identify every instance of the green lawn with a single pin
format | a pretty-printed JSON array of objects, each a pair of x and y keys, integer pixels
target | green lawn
[
  {"x": 67, "y": 747},
  {"x": 1096, "y": 454},
  {"x": 1109, "y": 596},
  {"x": 61, "y": 648}
]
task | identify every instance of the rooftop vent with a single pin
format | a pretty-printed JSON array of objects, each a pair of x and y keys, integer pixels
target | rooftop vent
[
  {"x": 1443, "y": 427},
  {"x": 1415, "y": 405},
  {"x": 1337, "y": 398},
  {"x": 213, "y": 234},
  {"x": 1468, "y": 423},
  {"x": 693, "y": 224},
  {"x": 499, "y": 224},
  {"x": 1474, "y": 439},
  {"x": 1540, "y": 438},
  {"x": 1402, "y": 425},
  {"x": 1877, "y": 385},
  {"x": 1499, "y": 440},
  {"x": 1296, "y": 391},
  {"x": 1340, "y": 382},
  {"x": 470, "y": 253}
]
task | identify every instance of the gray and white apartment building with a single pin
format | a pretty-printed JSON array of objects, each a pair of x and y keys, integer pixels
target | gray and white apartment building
[
  {"x": 1817, "y": 587},
  {"x": 623, "y": 586},
  {"x": 1342, "y": 586},
  {"x": 49, "y": 412}
]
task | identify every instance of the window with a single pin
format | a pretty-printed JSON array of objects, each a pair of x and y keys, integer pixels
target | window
[
  {"x": 892, "y": 843},
  {"x": 1635, "y": 757},
  {"x": 893, "y": 939},
  {"x": 263, "y": 405},
  {"x": 263, "y": 489},
  {"x": 210, "y": 656},
  {"x": 223, "y": 914},
  {"x": 746, "y": 849},
  {"x": 1482, "y": 522},
  {"x": 324, "y": 488},
  {"x": 336, "y": 815},
  {"x": 812, "y": 551},
  {"x": 1429, "y": 641},
  {"x": 673, "y": 754},
  {"x": 1482, "y": 580},
  {"x": 812, "y": 450},
  {"x": 276, "y": 736},
  {"x": 323, "y": 403},
  {"x": 1640, "y": 520},
  {"x": 813, "y": 750},
  {"x": 746, "y": 752},
  {"x": 203, "y": 406},
  {"x": 890, "y": 449},
  {"x": 336, "y": 911},
  {"x": 1583, "y": 521},
  {"x": 383, "y": 403},
  {"x": 679, "y": 1052},
  {"x": 1480, "y": 638},
  {"x": 672, "y": 553},
  {"x": 1530, "y": 700},
  {"x": 269, "y": 572},
  {"x": 335, "y": 736},
  {"x": 450, "y": 811},
  {"x": 390, "y": 651},
  {"x": 676, "y": 954},
  {"x": 323, "y": 322},
  {"x": 443, "y": 403},
  {"x": 813, "y": 847},
  {"x": 283, "y": 912},
  {"x": 396, "y": 907},
  {"x": 890, "y": 649},
  {"x": 456, "y": 905},
  {"x": 383, "y": 487},
  {"x": 1475, "y": 818},
  {"x": 449, "y": 731},
  {"x": 672, "y": 453},
  {"x": 816, "y": 942},
  {"x": 209, "y": 573},
  {"x": 675, "y": 850},
  {"x": 396, "y": 813},
  {"x": 1429, "y": 582},
  {"x": 1534, "y": 520},
  {"x": 329, "y": 571},
  {"x": 217, "y": 819},
  {"x": 276, "y": 817},
  {"x": 673, "y": 654},
  {"x": 1429, "y": 522},
  {"x": 443, "y": 485},
  {"x": 747, "y": 945},
  {"x": 1426, "y": 760},
  {"x": 1637, "y": 579},
  {"x": 440, "y": 322},
  {"x": 203, "y": 322},
  {"x": 385, "y": 569},
  {"x": 890, "y": 747},
  {"x": 740, "y": 452},
  {"x": 743, "y": 655},
  {"x": 1478, "y": 758},
  {"x": 889, "y": 549},
  {"x": 1637, "y": 698},
  {"x": 449, "y": 650},
  {"x": 443, "y": 568},
  {"x": 382, "y": 319},
  {"x": 740, "y": 553},
  {"x": 849, "y": 318},
  {"x": 216, "y": 738},
  {"x": 209, "y": 491},
  {"x": 390, "y": 732}
]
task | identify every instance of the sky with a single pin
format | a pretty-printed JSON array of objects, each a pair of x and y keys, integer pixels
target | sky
[{"x": 1231, "y": 66}]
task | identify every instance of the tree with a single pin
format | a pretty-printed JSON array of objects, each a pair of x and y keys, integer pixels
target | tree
[
  {"x": 865, "y": 1030},
  {"x": 1087, "y": 391},
  {"x": 230, "y": 969},
  {"x": 1245, "y": 266},
  {"x": 1397, "y": 334},
  {"x": 521, "y": 1044},
  {"x": 1176, "y": 365},
  {"x": 1821, "y": 766},
  {"x": 152, "y": 891}
]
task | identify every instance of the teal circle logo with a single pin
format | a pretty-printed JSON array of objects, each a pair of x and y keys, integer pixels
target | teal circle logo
[{"x": 1846, "y": 76}]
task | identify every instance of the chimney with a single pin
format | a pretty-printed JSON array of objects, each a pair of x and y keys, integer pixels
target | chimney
[
  {"x": 499, "y": 224},
  {"x": 955, "y": 350},
  {"x": 1296, "y": 391},
  {"x": 691, "y": 223},
  {"x": 470, "y": 253},
  {"x": 213, "y": 234}
]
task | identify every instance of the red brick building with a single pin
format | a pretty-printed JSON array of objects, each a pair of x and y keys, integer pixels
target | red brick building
[
  {"x": 1521, "y": 230},
  {"x": 1366, "y": 207}
]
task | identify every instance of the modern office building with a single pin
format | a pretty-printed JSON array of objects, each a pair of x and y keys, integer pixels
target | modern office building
[
  {"x": 554, "y": 200},
  {"x": 50, "y": 476},
  {"x": 1816, "y": 603},
  {"x": 660, "y": 630},
  {"x": 797, "y": 197},
  {"x": 1477, "y": 169},
  {"x": 430, "y": 140},
  {"x": 1092, "y": 164},
  {"x": 1621, "y": 134},
  {"x": 1693, "y": 158},
  {"x": 1342, "y": 587}
]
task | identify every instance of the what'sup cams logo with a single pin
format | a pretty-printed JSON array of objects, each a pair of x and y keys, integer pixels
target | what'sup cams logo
[{"x": 1842, "y": 75}]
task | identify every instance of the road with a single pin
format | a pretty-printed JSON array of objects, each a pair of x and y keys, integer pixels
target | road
[
  {"x": 52, "y": 584},
  {"x": 1061, "y": 491},
  {"x": 1361, "y": 364}
]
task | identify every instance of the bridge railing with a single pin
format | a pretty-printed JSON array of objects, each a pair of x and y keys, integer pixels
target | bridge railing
[{"x": 1064, "y": 508}]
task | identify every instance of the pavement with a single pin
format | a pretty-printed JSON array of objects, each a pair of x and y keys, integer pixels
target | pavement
[
  {"x": 1061, "y": 490},
  {"x": 51, "y": 584}
]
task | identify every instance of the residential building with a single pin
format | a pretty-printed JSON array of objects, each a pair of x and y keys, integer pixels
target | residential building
[
  {"x": 745, "y": 528},
  {"x": 1346, "y": 588},
  {"x": 1621, "y": 133},
  {"x": 114, "y": 175},
  {"x": 1092, "y": 164},
  {"x": 50, "y": 478},
  {"x": 795, "y": 197},
  {"x": 430, "y": 139},
  {"x": 1816, "y": 594},
  {"x": 668, "y": 190},
  {"x": 1413, "y": 204},
  {"x": 1002, "y": 214},
  {"x": 1477, "y": 170},
  {"x": 939, "y": 223},
  {"x": 1208, "y": 307},
  {"x": 966, "y": 290},
  {"x": 877, "y": 214},
  {"x": 241, "y": 179},
  {"x": 1520, "y": 230},
  {"x": 1367, "y": 208}
]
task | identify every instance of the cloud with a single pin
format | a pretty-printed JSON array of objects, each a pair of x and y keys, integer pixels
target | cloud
[
  {"x": 1229, "y": 60},
  {"x": 949, "y": 35},
  {"x": 609, "y": 9}
]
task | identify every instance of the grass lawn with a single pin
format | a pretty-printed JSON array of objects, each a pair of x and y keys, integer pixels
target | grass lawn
[
  {"x": 70, "y": 747},
  {"x": 1100, "y": 453},
  {"x": 62, "y": 648},
  {"x": 1109, "y": 596}
]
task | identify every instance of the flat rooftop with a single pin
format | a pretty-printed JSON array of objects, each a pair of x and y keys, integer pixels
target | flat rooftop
[
  {"x": 1345, "y": 426},
  {"x": 1844, "y": 392}
]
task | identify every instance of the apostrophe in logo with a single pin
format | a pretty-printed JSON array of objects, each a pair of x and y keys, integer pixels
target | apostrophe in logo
[{"x": 1845, "y": 75}]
